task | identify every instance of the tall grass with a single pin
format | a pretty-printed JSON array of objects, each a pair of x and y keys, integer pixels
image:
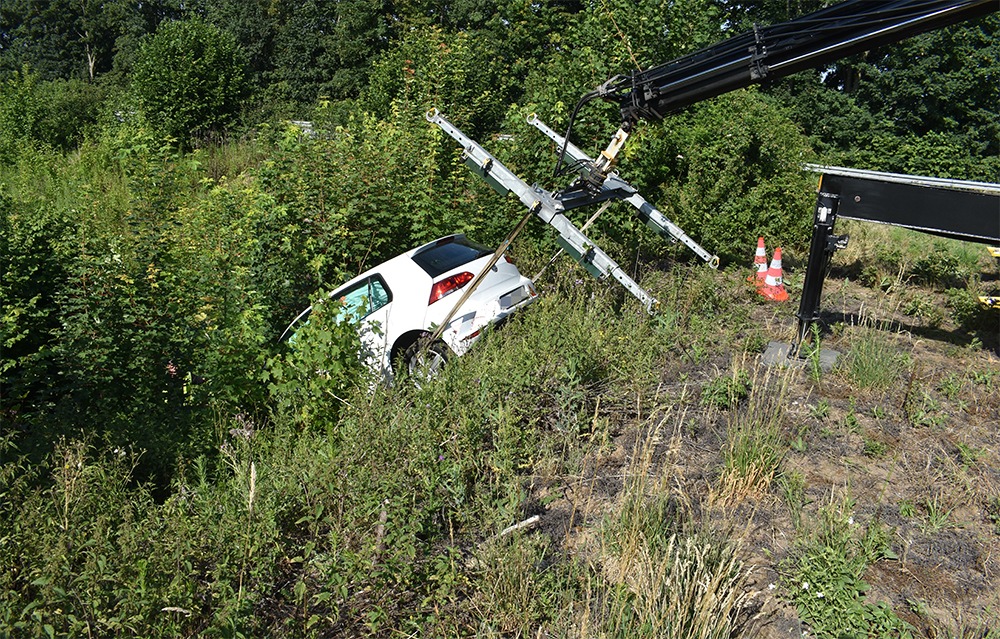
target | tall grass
[
  {"x": 755, "y": 444},
  {"x": 873, "y": 362},
  {"x": 665, "y": 574}
]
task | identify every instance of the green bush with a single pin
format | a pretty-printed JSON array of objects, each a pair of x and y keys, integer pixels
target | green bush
[
  {"x": 825, "y": 573},
  {"x": 19, "y": 115},
  {"x": 189, "y": 78},
  {"x": 968, "y": 312},
  {"x": 71, "y": 109},
  {"x": 728, "y": 180},
  {"x": 311, "y": 381}
]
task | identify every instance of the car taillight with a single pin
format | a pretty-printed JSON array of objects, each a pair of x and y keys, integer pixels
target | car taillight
[{"x": 448, "y": 286}]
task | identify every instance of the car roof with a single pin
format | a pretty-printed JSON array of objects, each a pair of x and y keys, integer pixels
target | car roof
[{"x": 407, "y": 256}]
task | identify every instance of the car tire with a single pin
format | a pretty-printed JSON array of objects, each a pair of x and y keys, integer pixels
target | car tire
[{"x": 423, "y": 361}]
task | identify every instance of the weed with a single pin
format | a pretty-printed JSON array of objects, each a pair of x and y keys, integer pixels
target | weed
[
  {"x": 798, "y": 443},
  {"x": 917, "y": 607},
  {"x": 993, "y": 512},
  {"x": 961, "y": 629},
  {"x": 852, "y": 424},
  {"x": 692, "y": 587},
  {"x": 939, "y": 268},
  {"x": 967, "y": 312},
  {"x": 873, "y": 276},
  {"x": 950, "y": 386},
  {"x": 875, "y": 448},
  {"x": 907, "y": 508},
  {"x": 821, "y": 410},
  {"x": 812, "y": 353},
  {"x": 824, "y": 575},
  {"x": 874, "y": 544},
  {"x": 754, "y": 447},
  {"x": 969, "y": 455},
  {"x": 987, "y": 378},
  {"x": 522, "y": 584},
  {"x": 673, "y": 582},
  {"x": 936, "y": 515},
  {"x": 793, "y": 490},
  {"x": 926, "y": 411},
  {"x": 873, "y": 363},
  {"x": 726, "y": 391},
  {"x": 922, "y": 308}
]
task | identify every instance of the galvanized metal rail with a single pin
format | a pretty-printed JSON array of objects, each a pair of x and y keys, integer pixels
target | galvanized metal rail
[
  {"x": 648, "y": 213},
  {"x": 545, "y": 207}
]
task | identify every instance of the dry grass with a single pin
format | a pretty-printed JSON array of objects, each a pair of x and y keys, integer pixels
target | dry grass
[
  {"x": 658, "y": 571},
  {"x": 755, "y": 446}
]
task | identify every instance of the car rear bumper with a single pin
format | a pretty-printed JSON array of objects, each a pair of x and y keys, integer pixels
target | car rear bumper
[{"x": 465, "y": 329}]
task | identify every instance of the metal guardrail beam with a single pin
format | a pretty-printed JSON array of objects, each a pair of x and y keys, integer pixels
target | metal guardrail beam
[
  {"x": 546, "y": 207},
  {"x": 648, "y": 213}
]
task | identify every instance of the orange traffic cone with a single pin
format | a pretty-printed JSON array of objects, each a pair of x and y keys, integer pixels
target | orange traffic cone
[
  {"x": 759, "y": 264},
  {"x": 774, "y": 288}
]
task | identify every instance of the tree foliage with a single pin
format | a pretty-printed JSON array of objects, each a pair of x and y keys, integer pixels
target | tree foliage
[
  {"x": 189, "y": 77},
  {"x": 728, "y": 182}
]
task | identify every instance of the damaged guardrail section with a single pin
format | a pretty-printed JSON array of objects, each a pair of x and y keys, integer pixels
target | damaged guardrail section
[{"x": 549, "y": 208}]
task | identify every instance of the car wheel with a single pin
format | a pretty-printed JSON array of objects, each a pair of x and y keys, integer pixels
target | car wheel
[{"x": 424, "y": 361}]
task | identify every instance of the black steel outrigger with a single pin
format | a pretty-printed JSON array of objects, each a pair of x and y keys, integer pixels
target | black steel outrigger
[{"x": 956, "y": 209}]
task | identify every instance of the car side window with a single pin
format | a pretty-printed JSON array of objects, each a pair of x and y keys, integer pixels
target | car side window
[
  {"x": 354, "y": 299},
  {"x": 378, "y": 294},
  {"x": 366, "y": 297}
]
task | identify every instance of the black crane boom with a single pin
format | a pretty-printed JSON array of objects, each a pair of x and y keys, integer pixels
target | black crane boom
[
  {"x": 772, "y": 52},
  {"x": 762, "y": 55}
]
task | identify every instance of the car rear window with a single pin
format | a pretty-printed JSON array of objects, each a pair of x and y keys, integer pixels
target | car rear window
[{"x": 449, "y": 254}]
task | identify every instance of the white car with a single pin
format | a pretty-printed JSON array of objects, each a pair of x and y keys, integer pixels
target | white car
[{"x": 400, "y": 304}]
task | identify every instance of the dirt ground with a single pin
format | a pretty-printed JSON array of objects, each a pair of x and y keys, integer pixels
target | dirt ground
[{"x": 921, "y": 458}]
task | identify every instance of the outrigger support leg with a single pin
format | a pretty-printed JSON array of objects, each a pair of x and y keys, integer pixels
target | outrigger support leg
[{"x": 824, "y": 244}]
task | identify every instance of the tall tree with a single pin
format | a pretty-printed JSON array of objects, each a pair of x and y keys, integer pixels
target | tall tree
[
  {"x": 60, "y": 38},
  {"x": 254, "y": 24},
  {"x": 75, "y": 39},
  {"x": 946, "y": 81},
  {"x": 325, "y": 47},
  {"x": 742, "y": 15}
]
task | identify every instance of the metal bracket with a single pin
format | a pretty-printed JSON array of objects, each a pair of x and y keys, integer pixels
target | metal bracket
[
  {"x": 837, "y": 242},
  {"x": 758, "y": 53}
]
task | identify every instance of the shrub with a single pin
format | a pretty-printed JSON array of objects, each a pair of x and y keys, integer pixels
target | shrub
[
  {"x": 824, "y": 574},
  {"x": 189, "y": 77},
  {"x": 726, "y": 181},
  {"x": 70, "y": 109},
  {"x": 312, "y": 379},
  {"x": 19, "y": 114}
]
